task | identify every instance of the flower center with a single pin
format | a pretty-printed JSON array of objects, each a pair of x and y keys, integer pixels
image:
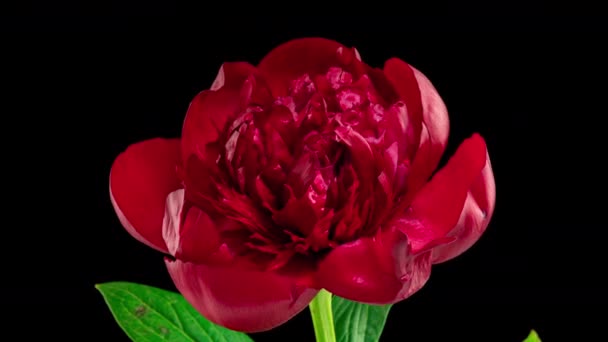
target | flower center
[{"x": 320, "y": 166}]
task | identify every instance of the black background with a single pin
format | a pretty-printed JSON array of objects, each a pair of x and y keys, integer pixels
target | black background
[{"x": 82, "y": 88}]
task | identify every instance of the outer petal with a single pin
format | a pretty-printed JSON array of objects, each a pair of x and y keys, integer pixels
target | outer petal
[
  {"x": 436, "y": 208},
  {"x": 401, "y": 76},
  {"x": 296, "y": 58},
  {"x": 241, "y": 300},
  {"x": 435, "y": 132},
  {"x": 190, "y": 234},
  {"x": 420, "y": 95},
  {"x": 205, "y": 119},
  {"x": 377, "y": 270},
  {"x": 232, "y": 75},
  {"x": 475, "y": 216},
  {"x": 210, "y": 110},
  {"x": 140, "y": 180}
]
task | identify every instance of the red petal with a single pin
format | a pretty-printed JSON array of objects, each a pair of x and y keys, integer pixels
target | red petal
[
  {"x": 423, "y": 99},
  {"x": 189, "y": 234},
  {"x": 232, "y": 75},
  {"x": 434, "y": 138},
  {"x": 302, "y": 173},
  {"x": 401, "y": 76},
  {"x": 297, "y": 57},
  {"x": 377, "y": 270},
  {"x": 209, "y": 113},
  {"x": 298, "y": 215},
  {"x": 403, "y": 127},
  {"x": 361, "y": 153},
  {"x": 220, "y": 200},
  {"x": 475, "y": 216},
  {"x": 140, "y": 180},
  {"x": 437, "y": 206},
  {"x": 268, "y": 199},
  {"x": 238, "y": 299},
  {"x": 383, "y": 85}
]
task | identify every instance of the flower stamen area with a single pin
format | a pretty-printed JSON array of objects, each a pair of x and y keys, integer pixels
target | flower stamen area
[{"x": 320, "y": 166}]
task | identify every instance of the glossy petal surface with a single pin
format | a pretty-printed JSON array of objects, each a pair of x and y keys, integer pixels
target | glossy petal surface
[
  {"x": 241, "y": 300},
  {"x": 140, "y": 180},
  {"x": 438, "y": 205},
  {"x": 475, "y": 217},
  {"x": 377, "y": 270}
]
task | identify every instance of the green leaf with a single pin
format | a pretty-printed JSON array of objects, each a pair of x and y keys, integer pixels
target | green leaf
[
  {"x": 533, "y": 337},
  {"x": 358, "y": 322},
  {"x": 149, "y": 314}
]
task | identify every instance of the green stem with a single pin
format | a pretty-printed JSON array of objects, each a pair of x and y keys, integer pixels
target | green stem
[{"x": 322, "y": 317}]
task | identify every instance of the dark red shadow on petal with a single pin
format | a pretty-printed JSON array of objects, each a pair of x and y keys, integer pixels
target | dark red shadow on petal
[
  {"x": 140, "y": 180},
  {"x": 383, "y": 86},
  {"x": 241, "y": 300}
]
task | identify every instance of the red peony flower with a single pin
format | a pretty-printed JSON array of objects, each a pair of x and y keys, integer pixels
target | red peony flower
[{"x": 312, "y": 170}]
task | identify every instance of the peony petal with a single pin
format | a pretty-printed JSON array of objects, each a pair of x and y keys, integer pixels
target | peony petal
[
  {"x": 302, "y": 173},
  {"x": 232, "y": 75},
  {"x": 298, "y": 215},
  {"x": 189, "y": 233},
  {"x": 401, "y": 76},
  {"x": 297, "y": 57},
  {"x": 434, "y": 138},
  {"x": 475, "y": 216},
  {"x": 376, "y": 270},
  {"x": 402, "y": 126},
  {"x": 238, "y": 299},
  {"x": 172, "y": 220},
  {"x": 361, "y": 154},
  {"x": 422, "y": 98},
  {"x": 140, "y": 180},
  {"x": 224, "y": 203},
  {"x": 437, "y": 206},
  {"x": 210, "y": 111},
  {"x": 383, "y": 86}
]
